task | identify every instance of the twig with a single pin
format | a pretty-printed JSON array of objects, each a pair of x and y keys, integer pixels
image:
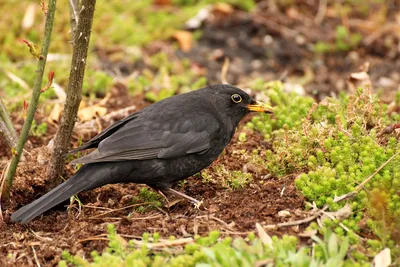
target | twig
[
  {"x": 224, "y": 71},
  {"x": 93, "y": 239},
  {"x": 342, "y": 225},
  {"x": 379, "y": 32},
  {"x": 7, "y": 135},
  {"x": 2, "y": 182},
  {"x": 35, "y": 256},
  {"x": 74, "y": 96},
  {"x": 360, "y": 186},
  {"x": 41, "y": 238},
  {"x": 321, "y": 12},
  {"x": 123, "y": 208},
  {"x": 139, "y": 243},
  {"x": 35, "y": 95},
  {"x": 302, "y": 221},
  {"x": 163, "y": 244},
  {"x": 6, "y": 126}
]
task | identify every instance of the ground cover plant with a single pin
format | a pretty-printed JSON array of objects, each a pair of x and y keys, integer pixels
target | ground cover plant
[{"x": 317, "y": 184}]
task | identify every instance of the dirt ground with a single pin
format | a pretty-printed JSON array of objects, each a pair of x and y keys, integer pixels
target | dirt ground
[{"x": 262, "y": 45}]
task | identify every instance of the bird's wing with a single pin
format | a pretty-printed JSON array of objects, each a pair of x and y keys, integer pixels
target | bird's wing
[
  {"x": 145, "y": 138},
  {"x": 94, "y": 142}
]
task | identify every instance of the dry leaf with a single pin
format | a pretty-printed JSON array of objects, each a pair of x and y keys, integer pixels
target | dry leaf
[
  {"x": 17, "y": 79},
  {"x": 91, "y": 112},
  {"x": 283, "y": 213},
  {"x": 29, "y": 17},
  {"x": 59, "y": 92},
  {"x": 55, "y": 113},
  {"x": 308, "y": 233},
  {"x": 340, "y": 214},
  {"x": 265, "y": 238},
  {"x": 185, "y": 40},
  {"x": 202, "y": 15},
  {"x": 383, "y": 258},
  {"x": 223, "y": 8},
  {"x": 360, "y": 78}
]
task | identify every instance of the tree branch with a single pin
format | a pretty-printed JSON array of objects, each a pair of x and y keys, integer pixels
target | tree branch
[
  {"x": 35, "y": 95},
  {"x": 74, "y": 92}
]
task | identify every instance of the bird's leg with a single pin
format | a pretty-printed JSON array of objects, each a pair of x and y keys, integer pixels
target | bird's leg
[
  {"x": 165, "y": 197},
  {"x": 196, "y": 203}
]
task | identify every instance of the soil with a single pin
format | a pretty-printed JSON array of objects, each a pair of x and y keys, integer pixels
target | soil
[{"x": 269, "y": 44}]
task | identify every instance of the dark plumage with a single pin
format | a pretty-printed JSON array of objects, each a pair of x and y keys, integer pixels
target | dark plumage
[{"x": 159, "y": 145}]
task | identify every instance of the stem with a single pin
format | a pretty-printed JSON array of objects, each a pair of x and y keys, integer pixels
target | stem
[
  {"x": 6, "y": 126},
  {"x": 74, "y": 95},
  {"x": 35, "y": 95}
]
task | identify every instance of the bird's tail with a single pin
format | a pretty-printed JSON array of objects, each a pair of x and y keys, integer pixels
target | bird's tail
[{"x": 88, "y": 177}]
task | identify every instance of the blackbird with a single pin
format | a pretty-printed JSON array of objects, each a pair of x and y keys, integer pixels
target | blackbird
[{"x": 165, "y": 142}]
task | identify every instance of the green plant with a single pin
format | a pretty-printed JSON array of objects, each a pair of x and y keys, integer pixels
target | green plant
[
  {"x": 344, "y": 41},
  {"x": 149, "y": 197},
  {"x": 213, "y": 250},
  {"x": 38, "y": 129},
  {"x": 333, "y": 147}
]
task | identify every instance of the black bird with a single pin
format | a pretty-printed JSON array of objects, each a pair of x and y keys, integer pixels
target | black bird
[{"x": 165, "y": 142}]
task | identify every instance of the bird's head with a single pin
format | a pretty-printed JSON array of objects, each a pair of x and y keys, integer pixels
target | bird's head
[{"x": 234, "y": 103}]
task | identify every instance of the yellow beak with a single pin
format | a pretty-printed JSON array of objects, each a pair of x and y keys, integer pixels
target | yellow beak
[{"x": 260, "y": 107}]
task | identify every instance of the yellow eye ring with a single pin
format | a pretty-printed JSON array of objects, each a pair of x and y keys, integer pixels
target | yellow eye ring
[{"x": 236, "y": 98}]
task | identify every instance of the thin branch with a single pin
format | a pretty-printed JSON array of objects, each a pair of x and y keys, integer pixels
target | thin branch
[
  {"x": 6, "y": 126},
  {"x": 11, "y": 142},
  {"x": 74, "y": 92},
  {"x": 360, "y": 186},
  {"x": 321, "y": 12},
  {"x": 35, "y": 95},
  {"x": 224, "y": 71}
]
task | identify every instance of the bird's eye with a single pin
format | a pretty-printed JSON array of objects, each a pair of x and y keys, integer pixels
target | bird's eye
[{"x": 236, "y": 98}]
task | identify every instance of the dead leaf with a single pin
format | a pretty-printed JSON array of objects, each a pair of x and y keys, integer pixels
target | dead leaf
[
  {"x": 29, "y": 17},
  {"x": 308, "y": 233},
  {"x": 55, "y": 113},
  {"x": 283, "y": 213},
  {"x": 202, "y": 15},
  {"x": 360, "y": 78},
  {"x": 185, "y": 40},
  {"x": 383, "y": 259},
  {"x": 223, "y": 8},
  {"x": 340, "y": 214},
  {"x": 91, "y": 112},
  {"x": 17, "y": 80},
  {"x": 60, "y": 92},
  {"x": 265, "y": 238}
]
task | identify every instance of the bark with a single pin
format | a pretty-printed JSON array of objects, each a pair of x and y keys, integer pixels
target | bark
[{"x": 74, "y": 92}]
